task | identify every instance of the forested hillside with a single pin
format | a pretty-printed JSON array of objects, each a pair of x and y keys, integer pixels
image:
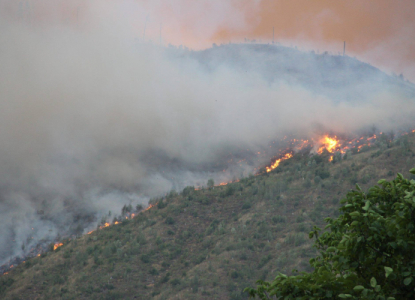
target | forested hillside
[
  {"x": 213, "y": 242},
  {"x": 342, "y": 78}
]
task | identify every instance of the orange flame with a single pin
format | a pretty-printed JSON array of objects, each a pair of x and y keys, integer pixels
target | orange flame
[
  {"x": 105, "y": 225},
  {"x": 149, "y": 207},
  {"x": 57, "y": 245},
  {"x": 91, "y": 232},
  {"x": 278, "y": 161},
  {"x": 304, "y": 144},
  {"x": 328, "y": 143}
]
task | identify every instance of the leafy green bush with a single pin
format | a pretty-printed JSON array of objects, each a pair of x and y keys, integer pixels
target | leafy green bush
[
  {"x": 318, "y": 158},
  {"x": 188, "y": 190},
  {"x": 165, "y": 278},
  {"x": 210, "y": 183},
  {"x": 5, "y": 283},
  {"x": 161, "y": 204},
  {"x": 279, "y": 219},
  {"x": 300, "y": 219},
  {"x": 203, "y": 199},
  {"x": 229, "y": 190},
  {"x": 170, "y": 221},
  {"x": 365, "y": 148},
  {"x": 301, "y": 227},
  {"x": 246, "y": 205},
  {"x": 145, "y": 258},
  {"x": 175, "y": 281},
  {"x": 322, "y": 173},
  {"x": 367, "y": 254},
  {"x": 154, "y": 271},
  {"x": 300, "y": 239},
  {"x": 195, "y": 284},
  {"x": 264, "y": 261},
  {"x": 307, "y": 183}
]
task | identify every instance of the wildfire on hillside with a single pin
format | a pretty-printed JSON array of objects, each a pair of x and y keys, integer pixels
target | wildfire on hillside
[
  {"x": 105, "y": 225},
  {"x": 278, "y": 161},
  {"x": 149, "y": 207},
  {"x": 328, "y": 143},
  {"x": 57, "y": 245}
]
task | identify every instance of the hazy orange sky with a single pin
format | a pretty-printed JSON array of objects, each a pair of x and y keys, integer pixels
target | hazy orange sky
[{"x": 381, "y": 32}]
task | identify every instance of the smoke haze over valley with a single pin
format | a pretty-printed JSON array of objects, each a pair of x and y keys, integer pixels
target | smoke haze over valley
[{"x": 92, "y": 117}]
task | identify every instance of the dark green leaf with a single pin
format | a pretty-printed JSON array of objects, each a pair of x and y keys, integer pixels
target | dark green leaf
[
  {"x": 388, "y": 271},
  {"x": 358, "y": 288},
  {"x": 407, "y": 281},
  {"x": 373, "y": 282}
]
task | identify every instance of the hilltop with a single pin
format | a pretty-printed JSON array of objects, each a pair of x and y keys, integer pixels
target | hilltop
[
  {"x": 339, "y": 77},
  {"x": 213, "y": 242}
]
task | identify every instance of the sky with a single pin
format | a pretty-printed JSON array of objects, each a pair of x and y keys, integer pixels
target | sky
[{"x": 380, "y": 32}]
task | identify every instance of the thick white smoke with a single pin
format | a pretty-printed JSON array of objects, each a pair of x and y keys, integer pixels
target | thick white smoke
[{"x": 91, "y": 120}]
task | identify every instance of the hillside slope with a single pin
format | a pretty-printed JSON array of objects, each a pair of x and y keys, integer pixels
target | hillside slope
[
  {"x": 209, "y": 243},
  {"x": 342, "y": 78}
]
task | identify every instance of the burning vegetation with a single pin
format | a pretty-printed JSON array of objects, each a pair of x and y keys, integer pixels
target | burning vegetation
[
  {"x": 155, "y": 245},
  {"x": 41, "y": 248},
  {"x": 330, "y": 144},
  {"x": 57, "y": 245},
  {"x": 277, "y": 162},
  {"x": 199, "y": 227}
]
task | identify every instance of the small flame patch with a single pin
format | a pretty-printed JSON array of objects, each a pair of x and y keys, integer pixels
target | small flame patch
[
  {"x": 57, "y": 245},
  {"x": 278, "y": 161}
]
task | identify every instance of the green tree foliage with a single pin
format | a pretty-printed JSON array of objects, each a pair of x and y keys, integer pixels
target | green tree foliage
[
  {"x": 188, "y": 191},
  {"x": 368, "y": 252},
  {"x": 210, "y": 183},
  {"x": 5, "y": 283},
  {"x": 126, "y": 209}
]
